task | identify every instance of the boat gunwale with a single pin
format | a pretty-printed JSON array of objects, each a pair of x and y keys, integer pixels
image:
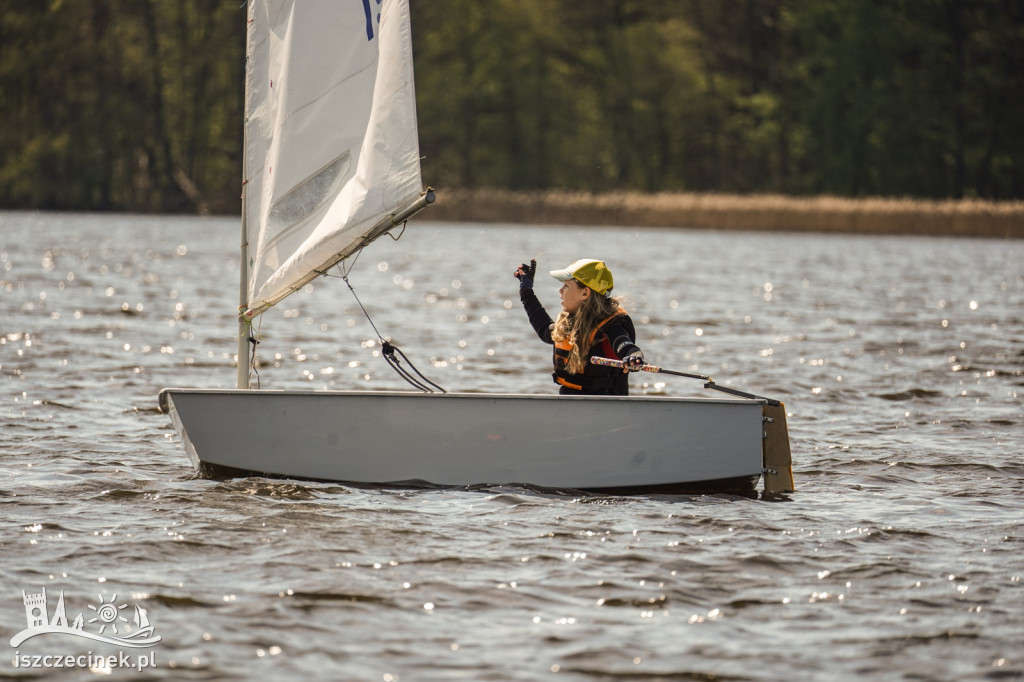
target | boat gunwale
[{"x": 471, "y": 396}]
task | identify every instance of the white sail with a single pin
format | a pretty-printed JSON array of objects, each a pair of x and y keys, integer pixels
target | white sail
[{"x": 331, "y": 138}]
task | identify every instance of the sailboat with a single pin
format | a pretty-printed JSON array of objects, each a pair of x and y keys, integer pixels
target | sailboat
[{"x": 331, "y": 163}]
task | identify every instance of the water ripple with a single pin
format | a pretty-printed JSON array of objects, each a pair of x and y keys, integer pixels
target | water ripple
[{"x": 898, "y": 557}]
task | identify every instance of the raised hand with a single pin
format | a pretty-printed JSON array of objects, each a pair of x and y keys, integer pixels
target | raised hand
[{"x": 525, "y": 273}]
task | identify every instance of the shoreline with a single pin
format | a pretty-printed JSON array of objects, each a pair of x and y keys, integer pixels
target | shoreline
[{"x": 870, "y": 216}]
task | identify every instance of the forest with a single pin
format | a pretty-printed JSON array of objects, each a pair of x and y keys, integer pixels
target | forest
[{"x": 136, "y": 105}]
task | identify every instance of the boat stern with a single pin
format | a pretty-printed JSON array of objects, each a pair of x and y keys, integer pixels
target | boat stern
[{"x": 777, "y": 457}]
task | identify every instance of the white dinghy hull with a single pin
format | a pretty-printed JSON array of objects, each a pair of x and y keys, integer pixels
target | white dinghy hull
[{"x": 596, "y": 443}]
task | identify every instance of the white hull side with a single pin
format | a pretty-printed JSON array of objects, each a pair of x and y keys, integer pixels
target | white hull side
[{"x": 467, "y": 439}]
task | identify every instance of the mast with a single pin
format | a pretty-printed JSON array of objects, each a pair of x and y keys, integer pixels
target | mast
[
  {"x": 242, "y": 379},
  {"x": 242, "y": 375}
]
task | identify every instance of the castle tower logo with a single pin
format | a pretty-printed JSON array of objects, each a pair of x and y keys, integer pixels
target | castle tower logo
[{"x": 108, "y": 615}]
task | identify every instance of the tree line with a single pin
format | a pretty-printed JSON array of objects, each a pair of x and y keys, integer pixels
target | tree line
[{"x": 137, "y": 104}]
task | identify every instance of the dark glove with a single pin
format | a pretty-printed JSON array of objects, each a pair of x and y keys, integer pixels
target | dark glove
[
  {"x": 525, "y": 273},
  {"x": 633, "y": 362}
]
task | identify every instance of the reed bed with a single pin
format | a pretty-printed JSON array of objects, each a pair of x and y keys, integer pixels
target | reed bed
[{"x": 966, "y": 218}]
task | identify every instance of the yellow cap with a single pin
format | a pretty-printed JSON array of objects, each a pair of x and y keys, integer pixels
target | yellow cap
[{"x": 588, "y": 272}]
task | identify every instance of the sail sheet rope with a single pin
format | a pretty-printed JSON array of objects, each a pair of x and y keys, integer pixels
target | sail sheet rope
[{"x": 389, "y": 350}]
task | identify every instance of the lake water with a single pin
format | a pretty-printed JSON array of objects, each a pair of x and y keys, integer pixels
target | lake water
[{"x": 900, "y": 555}]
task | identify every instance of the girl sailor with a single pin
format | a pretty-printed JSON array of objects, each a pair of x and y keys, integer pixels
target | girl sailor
[{"x": 591, "y": 323}]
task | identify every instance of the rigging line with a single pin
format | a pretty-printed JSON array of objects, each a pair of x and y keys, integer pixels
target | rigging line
[
  {"x": 405, "y": 374},
  {"x": 254, "y": 341},
  {"x": 393, "y": 237},
  {"x": 254, "y": 338},
  {"x": 363, "y": 308},
  {"x": 350, "y": 264},
  {"x": 345, "y": 265},
  {"x": 389, "y": 349},
  {"x": 393, "y": 348}
]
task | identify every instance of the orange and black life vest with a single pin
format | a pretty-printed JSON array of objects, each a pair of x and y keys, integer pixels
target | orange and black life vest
[{"x": 594, "y": 379}]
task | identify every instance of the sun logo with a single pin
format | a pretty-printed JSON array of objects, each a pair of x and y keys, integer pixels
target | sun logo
[{"x": 108, "y": 614}]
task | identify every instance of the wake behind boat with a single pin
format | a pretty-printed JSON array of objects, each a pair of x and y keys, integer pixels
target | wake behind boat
[{"x": 331, "y": 164}]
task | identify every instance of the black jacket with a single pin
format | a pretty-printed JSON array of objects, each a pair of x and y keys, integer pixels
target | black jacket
[{"x": 614, "y": 339}]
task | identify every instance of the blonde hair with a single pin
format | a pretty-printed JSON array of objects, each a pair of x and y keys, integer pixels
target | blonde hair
[{"x": 577, "y": 327}]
